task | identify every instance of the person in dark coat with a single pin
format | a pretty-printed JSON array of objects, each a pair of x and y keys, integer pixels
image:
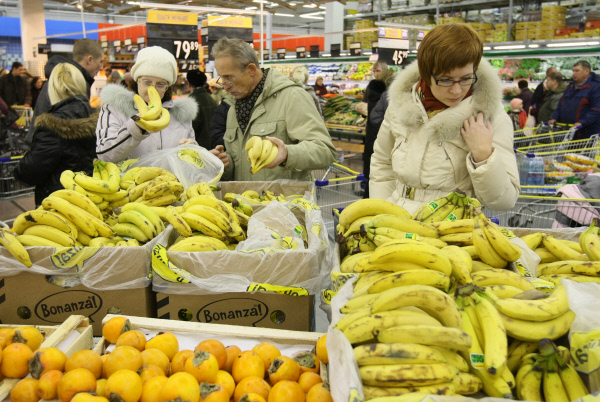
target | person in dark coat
[
  {"x": 14, "y": 89},
  {"x": 87, "y": 57},
  {"x": 372, "y": 96},
  {"x": 556, "y": 88},
  {"x": 320, "y": 89},
  {"x": 218, "y": 124},
  {"x": 36, "y": 87},
  {"x": 525, "y": 95},
  {"x": 580, "y": 103},
  {"x": 206, "y": 108},
  {"x": 65, "y": 136},
  {"x": 540, "y": 92}
]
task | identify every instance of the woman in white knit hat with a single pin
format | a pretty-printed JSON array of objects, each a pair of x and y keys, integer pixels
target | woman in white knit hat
[{"x": 118, "y": 136}]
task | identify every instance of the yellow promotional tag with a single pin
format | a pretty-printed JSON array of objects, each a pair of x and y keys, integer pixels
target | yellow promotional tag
[
  {"x": 544, "y": 286},
  {"x": 124, "y": 165},
  {"x": 189, "y": 156},
  {"x": 283, "y": 290},
  {"x": 306, "y": 204},
  {"x": 585, "y": 351},
  {"x": 328, "y": 295},
  {"x": 339, "y": 279},
  {"x": 163, "y": 268},
  {"x": 69, "y": 257}
]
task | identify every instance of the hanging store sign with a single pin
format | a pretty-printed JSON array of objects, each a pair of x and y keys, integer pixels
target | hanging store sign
[
  {"x": 281, "y": 53},
  {"x": 314, "y": 51},
  {"x": 356, "y": 49},
  {"x": 228, "y": 22},
  {"x": 393, "y": 51},
  {"x": 170, "y": 17},
  {"x": 177, "y": 33},
  {"x": 301, "y": 52},
  {"x": 335, "y": 49}
]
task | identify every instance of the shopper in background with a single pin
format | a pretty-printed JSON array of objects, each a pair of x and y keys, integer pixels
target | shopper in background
[
  {"x": 206, "y": 107},
  {"x": 115, "y": 78},
  {"x": 218, "y": 124},
  {"x": 556, "y": 88},
  {"x": 35, "y": 88},
  {"x": 127, "y": 80},
  {"x": 540, "y": 93},
  {"x": 119, "y": 137},
  {"x": 64, "y": 135},
  {"x": 3, "y": 71},
  {"x": 87, "y": 57},
  {"x": 517, "y": 114},
  {"x": 272, "y": 106},
  {"x": 580, "y": 103},
  {"x": 14, "y": 88},
  {"x": 216, "y": 91},
  {"x": 300, "y": 74},
  {"x": 320, "y": 89},
  {"x": 446, "y": 128},
  {"x": 373, "y": 95},
  {"x": 525, "y": 95}
]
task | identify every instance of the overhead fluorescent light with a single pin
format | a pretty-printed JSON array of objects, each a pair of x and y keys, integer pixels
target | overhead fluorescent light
[
  {"x": 571, "y": 44},
  {"x": 326, "y": 54},
  {"x": 133, "y": 3},
  {"x": 284, "y": 15},
  {"x": 309, "y": 6},
  {"x": 251, "y": 8},
  {"x": 79, "y": 6},
  {"x": 314, "y": 17},
  {"x": 201, "y": 9},
  {"x": 509, "y": 47},
  {"x": 323, "y": 7},
  {"x": 533, "y": 46},
  {"x": 413, "y": 51},
  {"x": 261, "y": 1},
  {"x": 487, "y": 48},
  {"x": 368, "y": 53},
  {"x": 343, "y": 54}
]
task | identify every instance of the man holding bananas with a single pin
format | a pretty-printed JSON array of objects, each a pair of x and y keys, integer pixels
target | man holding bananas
[
  {"x": 135, "y": 124},
  {"x": 272, "y": 107}
]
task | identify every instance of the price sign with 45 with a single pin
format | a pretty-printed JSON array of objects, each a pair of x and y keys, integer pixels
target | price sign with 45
[
  {"x": 399, "y": 56},
  {"x": 184, "y": 48}
]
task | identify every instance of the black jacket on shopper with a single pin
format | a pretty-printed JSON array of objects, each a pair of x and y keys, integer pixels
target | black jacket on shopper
[
  {"x": 218, "y": 124},
  {"x": 372, "y": 96},
  {"x": 14, "y": 90},
  {"x": 43, "y": 101},
  {"x": 65, "y": 139},
  {"x": 201, "y": 124}
]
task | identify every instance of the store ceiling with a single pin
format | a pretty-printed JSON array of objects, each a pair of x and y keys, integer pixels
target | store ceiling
[{"x": 124, "y": 7}]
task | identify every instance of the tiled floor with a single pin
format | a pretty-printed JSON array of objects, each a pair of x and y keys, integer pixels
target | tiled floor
[{"x": 10, "y": 209}]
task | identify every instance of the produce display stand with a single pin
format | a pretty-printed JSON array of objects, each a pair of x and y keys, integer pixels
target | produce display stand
[
  {"x": 259, "y": 334},
  {"x": 55, "y": 335},
  {"x": 340, "y": 131}
]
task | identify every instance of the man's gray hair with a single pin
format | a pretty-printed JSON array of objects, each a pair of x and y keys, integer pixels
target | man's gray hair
[
  {"x": 241, "y": 52},
  {"x": 583, "y": 64}
]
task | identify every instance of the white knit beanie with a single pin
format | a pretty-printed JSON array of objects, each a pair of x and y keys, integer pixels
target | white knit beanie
[{"x": 157, "y": 62}]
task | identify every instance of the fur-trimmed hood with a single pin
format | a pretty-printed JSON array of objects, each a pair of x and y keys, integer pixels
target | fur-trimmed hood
[
  {"x": 118, "y": 97},
  {"x": 445, "y": 126},
  {"x": 69, "y": 129}
]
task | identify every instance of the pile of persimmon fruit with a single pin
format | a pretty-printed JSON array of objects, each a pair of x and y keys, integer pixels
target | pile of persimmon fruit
[{"x": 155, "y": 370}]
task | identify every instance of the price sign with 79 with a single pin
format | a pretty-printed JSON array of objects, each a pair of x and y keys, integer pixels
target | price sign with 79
[{"x": 183, "y": 49}]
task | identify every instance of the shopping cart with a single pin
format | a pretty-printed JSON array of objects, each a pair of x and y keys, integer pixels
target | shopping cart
[
  {"x": 337, "y": 187},
  {"x": 10, "y": 188},
  {"x": 562, "y": 161},
  {"x": 15, "y": 143},
  {"x": 544, "y": 134},
  {"x": 541, "y": 212}
]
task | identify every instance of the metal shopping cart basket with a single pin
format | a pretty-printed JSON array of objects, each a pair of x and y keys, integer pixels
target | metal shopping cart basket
[
  {"x": 562, "y": 161},
  {"x": 337, "y": 187},
  {"x": 10, "y": 188},
  {"x": 16, "y": 142},
  {"x": 540, "y": 212},
  {"x": 544, "y": 134}
]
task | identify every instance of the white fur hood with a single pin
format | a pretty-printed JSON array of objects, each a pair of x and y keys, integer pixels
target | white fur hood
[
  {"x": 182, "y": 109},
  {"x": 445, "y": 126}
]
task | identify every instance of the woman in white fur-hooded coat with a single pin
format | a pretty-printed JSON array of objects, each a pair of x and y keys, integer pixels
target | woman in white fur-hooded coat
[
  {"x": 118, "y": 136},
  {"x": 444, "y": 132}
]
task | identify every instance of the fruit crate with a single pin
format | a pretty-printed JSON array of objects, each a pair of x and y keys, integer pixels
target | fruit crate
[
  {"x": 59, "y": 337},
  {"x": 10, "y": 188},
  {"x": 547, "y": 212},
  {"x": 337, "y": 187}
]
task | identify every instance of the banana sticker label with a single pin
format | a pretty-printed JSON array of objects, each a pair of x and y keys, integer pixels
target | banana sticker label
[
  {"x": 306, "y": 204},
  {"x": 69, "y": 257},
  {"x": 433, "y": 206},
  {"x": 283, "y": 290},
  {"x": 124, "y": 165},
  {"x": 328, "y": 295},
  {"x": 507, "y": 233},
  {"x": 339, "y": 279},
  {"x": 451, "y": 217},
  {"x": 189, "y": 156},
  {"x": 523, "y": 270},
  {"x": 477, "y": 360},
  {"x": 299, "y": 231},
  {"x": 411, "y": 236},
  {"x": 585, "y": 351},
  {"x": 544, "y": 286}
]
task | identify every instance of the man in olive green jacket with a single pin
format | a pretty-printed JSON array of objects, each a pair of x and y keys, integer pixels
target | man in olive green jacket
[{"x": 272, "y": 106}]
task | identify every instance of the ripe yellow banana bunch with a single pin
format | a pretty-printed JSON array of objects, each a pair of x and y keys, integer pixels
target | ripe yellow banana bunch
[
  {"x": 138, "y": 221},
  {"x": 261, "y": 153},
  {"x": 452, "y": 207},
  {"x": 154, "y": 187},
  {"x": 357, "y": 213},
  {"x": 491, "y": 245},
  {"x": 153, "y": 117},
  {"x": 549, "y": 376},
  {"x": 413, "y": 333}
]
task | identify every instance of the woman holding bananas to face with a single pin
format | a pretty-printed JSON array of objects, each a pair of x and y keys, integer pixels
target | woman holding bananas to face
[
  {"x": 133, "y": 124},
  {"x": 445, "y": 128}
]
